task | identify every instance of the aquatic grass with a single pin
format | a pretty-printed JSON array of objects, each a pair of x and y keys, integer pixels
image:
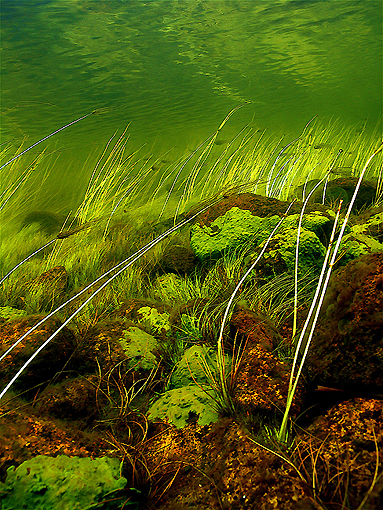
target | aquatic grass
[
  {"x": 327, "y": 475},
  {"x": 115, "y": 384},
  {"x": 117, "y": 271},
  {"x": 308, "y": 329},
  {"x": 321, "y": 149},
  {"x": 99, "y": 110},
  {"x": 276, "y": 298},
  {"x": 224, "y": 390},
  {"x": 113, "y": 183},
  {"x": 20, "y": 248},
  {"x": 15, "y": 179},
  {"x": 114, "y": 172}
]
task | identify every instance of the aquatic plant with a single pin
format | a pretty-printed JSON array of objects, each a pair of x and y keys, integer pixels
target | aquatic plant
[
  {"x": 203, "y": 300},
  {"x": 312, "y": 318}
]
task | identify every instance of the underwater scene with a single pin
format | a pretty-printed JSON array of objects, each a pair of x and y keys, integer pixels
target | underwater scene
[{"x": 191, "y": 257}]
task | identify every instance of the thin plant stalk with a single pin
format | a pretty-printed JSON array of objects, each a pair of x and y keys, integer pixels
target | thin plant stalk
[
  {"x": 318, "y": 300},
  {"x": 48, "y": 136},
  {"x": 26, "y": 259},
  {"x": 133, "y": 258},
  {"x": 282, "y": 434},
  {"x": 295, "y": 317},
  {"x": 61, "y": 235},
  {"x": 220, "y": 349}
]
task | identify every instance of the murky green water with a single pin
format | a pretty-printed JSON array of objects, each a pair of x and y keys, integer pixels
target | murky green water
[{"x": 173, "y": 69}]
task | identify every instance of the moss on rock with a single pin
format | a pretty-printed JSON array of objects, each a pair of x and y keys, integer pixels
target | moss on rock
[
  {"x": 359, "y": 240},
  {"x": 63, "y": 483},
  {"x": 238, "y": 226},
  {"x": 195, "y": 366},
  {"x": 152, "y": 319},
  {"x": 138, "y": 346},
  {"x": 181, "y": 406},
  {"x": 235, "y": 227}
]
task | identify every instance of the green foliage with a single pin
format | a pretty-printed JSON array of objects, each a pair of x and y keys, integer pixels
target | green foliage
[
  {"x": 138, "y": 347},
  {"x": 181, "y": 406},
  {"x": 8, "y": 313},
  {"x": 64, "y": 483},
  {"x": 235, "y": 228}
]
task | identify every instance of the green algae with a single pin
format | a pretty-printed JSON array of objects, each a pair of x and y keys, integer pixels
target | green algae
[
  {"x": 235, "y": 227},
  {"x": 63, "y": 483},
  {"x": 8, "y": 313},
  {"x": 191, "y": 394},
  {"x": 239, "y": 226},
  {"x": 154, "y": 320},
  {"x": 180, "y": 406},
  {"x": 138, "y": 346},
  {"x": 283, "y": 245},
  {"x": 358, "y": 242}
]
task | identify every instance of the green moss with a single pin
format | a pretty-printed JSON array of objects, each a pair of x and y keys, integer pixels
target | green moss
[
  {"x": 8, "y": 313},
  {"x": 191, "y": 394},
  {"x": 138, "y": 347},
  {"x": 354, "y": 245},
  {"x": 314, "y": 221},
  {"x": 63, "y": 483},
  {"x": 376, "y": 219},
  {"x": 154, "y": 320},
  {"x": 357, "y": 242},
  {"x": 238, "y": 226},
  {"x": 235, "y": 227},
  {"x": 283, "y": 245},
  {"x": 180, "y": 406}
]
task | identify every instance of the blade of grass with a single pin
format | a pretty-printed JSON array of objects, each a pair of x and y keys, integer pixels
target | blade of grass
[
  {"x": 318, "y": 300},
  {"x": 128, "y": 262}
]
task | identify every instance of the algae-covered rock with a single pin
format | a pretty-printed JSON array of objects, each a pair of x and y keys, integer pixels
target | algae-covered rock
[
  {"x": 238, "y": 226},
  {"x": 181, "y": 406},
  {"x": 63, "y": 483},
  {"x": 280, "y": 253},
  {"x": 138, "y": 346},
  {"x": 359, "y": 241},
  {"x": 195, "y": 366},
  {"x": 7, "y": 313},
  {"x": 356, "y": 244},
  {"x": 235, "y": 227},
  {"x": 316, "y": 221},
  {"x": 191, "y": 395},
  {"x": 152, "y": 319},
  {"x": 177, "y": 259}
]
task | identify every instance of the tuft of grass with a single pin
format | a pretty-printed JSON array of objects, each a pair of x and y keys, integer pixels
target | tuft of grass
[{"x": 308, "y": 329}]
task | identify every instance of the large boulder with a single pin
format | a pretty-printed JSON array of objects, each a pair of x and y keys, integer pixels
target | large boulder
[
  {"x": 63, "y": 483},
  {"x": 347, "y": 347}
]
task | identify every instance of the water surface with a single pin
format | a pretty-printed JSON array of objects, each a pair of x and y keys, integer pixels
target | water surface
[{"x": 173, "y": 69}]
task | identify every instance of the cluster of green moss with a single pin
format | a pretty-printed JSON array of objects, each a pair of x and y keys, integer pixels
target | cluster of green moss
[{"x": 64, "y": 483}]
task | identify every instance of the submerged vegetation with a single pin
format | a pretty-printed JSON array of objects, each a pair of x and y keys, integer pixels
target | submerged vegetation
[{"x": 191, "y": 293}]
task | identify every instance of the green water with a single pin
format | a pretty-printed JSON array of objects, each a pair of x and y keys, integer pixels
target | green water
[{"x": 173, "y": 69}]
